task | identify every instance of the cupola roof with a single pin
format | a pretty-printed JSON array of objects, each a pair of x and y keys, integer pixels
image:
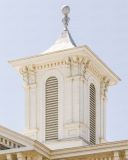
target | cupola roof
[{"x": 65, "y": 40}]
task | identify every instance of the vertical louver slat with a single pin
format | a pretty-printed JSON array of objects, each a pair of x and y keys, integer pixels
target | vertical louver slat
[
  {"x": 51, "y": 111},
  {"x": 92, "y": 114}
]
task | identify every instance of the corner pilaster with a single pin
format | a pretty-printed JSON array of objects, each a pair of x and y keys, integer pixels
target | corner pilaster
[
  {"x": 27, "y": 107},
  {"x": 68, "y": 63},
  {"x": 69, "y": 105},
  {"x": 86, "y": 102},
  {"x": 21, "y": 156},
  {"x": 126, "y": 154},
  {"x": 116, "y": 155},
  {"x": 76, "y": 99},
  {"x": 10, "y": 157},
  {"x": 33, "y": 90},
  {"x": 81, "y": 99},
  {"x": 104, "y": 118}
]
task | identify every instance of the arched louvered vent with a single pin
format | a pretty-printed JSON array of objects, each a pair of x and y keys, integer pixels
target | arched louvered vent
[
  {"x": 51, "y": 112},
  {"x": 92, "y": 114}
]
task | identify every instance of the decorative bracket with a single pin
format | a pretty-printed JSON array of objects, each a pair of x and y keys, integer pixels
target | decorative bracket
[
  {"x": 68, "y": 63},
  {"x": 24, "y": 72},
  {"x": 31, "y": 70},
  {"x": 104, "y": 87},
  {"x": 75, "y": 60}
]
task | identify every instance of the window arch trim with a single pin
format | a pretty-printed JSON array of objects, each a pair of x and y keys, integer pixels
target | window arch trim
[
  {"x": 92, "y": 113},
  {"x": 45, "y": 76}
]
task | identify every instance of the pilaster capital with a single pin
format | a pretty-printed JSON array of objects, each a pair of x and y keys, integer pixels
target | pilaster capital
[
  {"x": 88, "y": 64},
  {"x": 40, "y": 158},
  {"x": 68, "y": 63},
  {"x": 67, "y": 60},
  {"x": 23, "y": 70},
  {"x": 21, "y": 156},
  {"x": 75, "y": 58},
  {"x": 126, "y": 154},
  {"x": 116, "y": 155},
  {"x": 31, "y": 68},
  {"x": 104, "y": 86},
  {"x": 9, "y": 157},
  {"x": 29, "y": 157}
]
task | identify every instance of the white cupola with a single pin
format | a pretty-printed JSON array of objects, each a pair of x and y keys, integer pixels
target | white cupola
[{"x": 65, "y": 93}]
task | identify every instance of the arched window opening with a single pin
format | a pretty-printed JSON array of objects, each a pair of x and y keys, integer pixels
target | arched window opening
[
  {"x": 92, "y": 114},
  {"x": 51, "y": 109}
]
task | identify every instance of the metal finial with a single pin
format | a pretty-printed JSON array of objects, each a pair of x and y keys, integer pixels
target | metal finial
[{"x": 65, "y": 10}]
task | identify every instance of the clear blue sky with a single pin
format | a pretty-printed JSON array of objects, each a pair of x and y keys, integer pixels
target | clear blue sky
[{"x": 29, "y": 27}]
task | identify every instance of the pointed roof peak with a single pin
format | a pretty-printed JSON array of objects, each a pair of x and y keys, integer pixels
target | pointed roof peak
[{"x": 65, "y": 40}]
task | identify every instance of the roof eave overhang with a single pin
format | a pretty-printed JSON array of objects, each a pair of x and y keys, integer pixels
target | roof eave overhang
[
  {"x": 72, "y": 152},
  {"x": 102, "y": 67},
  {"x": 26, "y": 141},
  {"x": 90, "y": 150}
]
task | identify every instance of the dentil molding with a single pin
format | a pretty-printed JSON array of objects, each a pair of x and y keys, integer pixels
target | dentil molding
[{"x": 81, "y": 63}]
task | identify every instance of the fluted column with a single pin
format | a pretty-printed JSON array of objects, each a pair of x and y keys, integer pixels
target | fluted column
[
  {"x": 109, "y": 158},
  {"x": 86, "y": 100},
  {"x": 76, "y": 99},
  {"x": 81, "y": 100},
  {"x": 33, "y": 109},
  {"x": 69, "y": 92},
  {"x": 101, "y": 116},
  {"x": 10, "y": 157},
  {"x": 29, "y": 158},
  {"x": 104, "y": 117},
  {"x": 126, "y": 154},
  {"x": 41, "y": 158},
  {"x": 27, "y": 107},
  {"x": 116, "y": 155},
  {"x": 20, "y": 156}
]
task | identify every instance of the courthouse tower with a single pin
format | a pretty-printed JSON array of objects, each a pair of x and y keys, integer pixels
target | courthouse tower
[{"x": 65, "y": 93}]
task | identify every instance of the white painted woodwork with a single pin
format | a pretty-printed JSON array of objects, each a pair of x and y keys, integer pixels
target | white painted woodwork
[
  {"x": 76, "y": 100},
  {"x": 92, "y": 111},
  {"x": 33, "y": 107},
  {"x": 101, "y": 116},
  {"x": 69, "y": 100},
  {"x": 51, "y": 110},
  {"x": 82, "y": 100},
  {"x": 27, "y": 108}
]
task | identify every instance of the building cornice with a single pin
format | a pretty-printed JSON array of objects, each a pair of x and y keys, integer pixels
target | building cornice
[
  {"x": 90, "y": 149},
  {"x": 24, "y": 140},
  {"x": 58, "y": 59},
  {"x": 61, "y": 153},
  {"x": 102, "y": 65}
]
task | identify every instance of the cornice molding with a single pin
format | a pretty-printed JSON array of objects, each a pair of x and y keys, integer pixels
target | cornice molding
[
  {"x": 105, "y": 83},
  {"x": 42, "y": 62},
  {"x": 61, "y": 153},
  {"x": 89, "y": 150},
  {"x": 85, "y": 66}
]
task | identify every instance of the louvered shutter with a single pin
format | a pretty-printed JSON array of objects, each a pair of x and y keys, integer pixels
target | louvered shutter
[
  {"x": 92, "y": 114},
  {"x": 51, "y": 119}
]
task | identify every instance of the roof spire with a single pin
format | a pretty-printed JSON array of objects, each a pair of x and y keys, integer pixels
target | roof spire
[
  {"x": 65, "y": 10},
  {"x": 65, "y": 40}
]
